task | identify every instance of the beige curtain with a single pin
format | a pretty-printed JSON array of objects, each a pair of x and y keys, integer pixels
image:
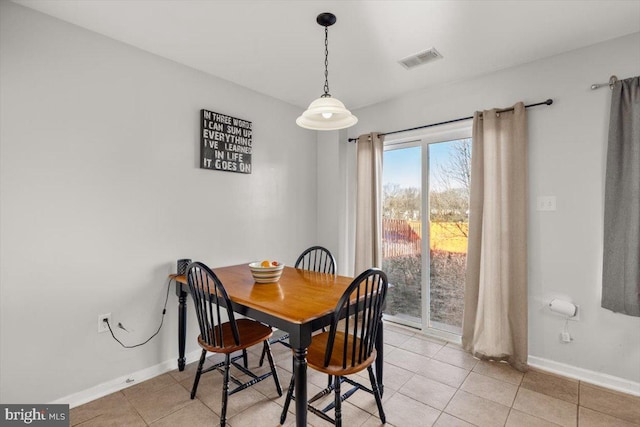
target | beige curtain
[
  {"x": 368, "y": 203},
  {"x": 495, "y": 311}
]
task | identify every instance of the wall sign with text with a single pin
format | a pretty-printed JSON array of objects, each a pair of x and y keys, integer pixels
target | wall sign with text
[{"x": 226, "y": 143}]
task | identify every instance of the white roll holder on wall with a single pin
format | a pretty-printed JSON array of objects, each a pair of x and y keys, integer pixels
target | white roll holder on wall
[
  {"x": 564, "y": 308},
  {"x": 569, "y": 311}
]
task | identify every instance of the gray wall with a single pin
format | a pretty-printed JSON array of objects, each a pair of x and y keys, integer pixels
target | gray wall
[
  {"x": 567, "y": 144},
  {"x": 101, "y": 194}
]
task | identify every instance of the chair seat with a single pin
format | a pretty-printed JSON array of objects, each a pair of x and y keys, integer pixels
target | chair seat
[
  {"x": 318, "y": 347},
  {"x": 251, "y": 333}
]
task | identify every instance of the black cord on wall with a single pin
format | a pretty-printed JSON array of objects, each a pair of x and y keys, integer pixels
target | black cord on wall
[{"x": 164, "y": 311}]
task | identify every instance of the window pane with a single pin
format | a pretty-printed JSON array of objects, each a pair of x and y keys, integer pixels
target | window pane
[
  {"x": 449, "y": 166},
  {"x": 402, "y": 233}
]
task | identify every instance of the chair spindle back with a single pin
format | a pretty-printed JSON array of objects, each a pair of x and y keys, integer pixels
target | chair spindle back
[
  {"x": 208, "y": 294},
  {"x": 318, "y": 259},
  {"x": 360, "y": 309}
]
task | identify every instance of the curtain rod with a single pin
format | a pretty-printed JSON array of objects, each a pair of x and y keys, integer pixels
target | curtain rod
[
  {"x": 547, "y": 102},
  {"x": 612, "y": 82}
]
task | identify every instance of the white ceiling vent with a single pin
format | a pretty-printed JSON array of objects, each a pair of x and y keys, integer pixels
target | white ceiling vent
[{"x": 420, "y": 58}]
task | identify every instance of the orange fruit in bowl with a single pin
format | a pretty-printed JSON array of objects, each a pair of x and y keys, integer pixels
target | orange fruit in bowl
[{"x": 265, "y": 263}]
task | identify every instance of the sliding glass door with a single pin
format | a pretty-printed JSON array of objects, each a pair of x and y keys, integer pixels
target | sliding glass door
[{"x": 425, "y": 227}]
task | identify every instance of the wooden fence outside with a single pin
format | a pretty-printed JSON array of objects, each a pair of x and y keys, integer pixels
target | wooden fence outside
[{"x": 400, "y": 238}]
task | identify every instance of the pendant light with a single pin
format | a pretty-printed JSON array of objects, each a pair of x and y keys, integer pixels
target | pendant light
[{"x": 326, "y": 113}]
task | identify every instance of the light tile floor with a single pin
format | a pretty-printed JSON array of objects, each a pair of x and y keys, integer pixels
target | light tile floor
[{"x": 427, "y": 383}]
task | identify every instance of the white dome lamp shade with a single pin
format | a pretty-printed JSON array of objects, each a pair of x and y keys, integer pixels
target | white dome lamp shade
[{"x": 326, "y": 113}]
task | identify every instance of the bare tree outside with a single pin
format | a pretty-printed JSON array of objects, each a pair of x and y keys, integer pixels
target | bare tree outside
[
  {"x": 400, "y": 203},
  {"x": 456, "y": 172},
  {"x": 449, "y": 204}
]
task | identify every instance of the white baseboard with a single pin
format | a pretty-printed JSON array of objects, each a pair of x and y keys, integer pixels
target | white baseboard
[
  {"x": 117, "y": 384},
  {"x": 592, "y": 377}
]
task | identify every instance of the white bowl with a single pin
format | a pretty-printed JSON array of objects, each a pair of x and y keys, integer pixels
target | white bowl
[{"x": 266, "y": 274}]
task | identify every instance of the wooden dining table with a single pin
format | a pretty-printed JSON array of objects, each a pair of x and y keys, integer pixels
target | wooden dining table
[{"x": 299, "y": 303}]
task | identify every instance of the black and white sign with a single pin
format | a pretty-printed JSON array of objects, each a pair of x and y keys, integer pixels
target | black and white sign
[{"x": 226, "y": 143}]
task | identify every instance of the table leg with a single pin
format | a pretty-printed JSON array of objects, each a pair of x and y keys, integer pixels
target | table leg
[
  {"x": 380, "y": 357},
  {"x": 182, "y": 325},
  {"x": 300, "y": 372}
]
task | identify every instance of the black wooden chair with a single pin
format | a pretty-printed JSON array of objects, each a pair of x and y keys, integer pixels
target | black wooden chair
[
  {"x": 349, "y": 345},
  {"x": 318, "y": 259},
  {"x": 218, "y": 335}
]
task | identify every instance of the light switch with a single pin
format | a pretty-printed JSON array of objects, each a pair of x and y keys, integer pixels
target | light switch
[{"x": 546, "y": 203}]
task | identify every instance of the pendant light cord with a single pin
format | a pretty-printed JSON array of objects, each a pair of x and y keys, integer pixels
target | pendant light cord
[{"x": 326, "y": 63}]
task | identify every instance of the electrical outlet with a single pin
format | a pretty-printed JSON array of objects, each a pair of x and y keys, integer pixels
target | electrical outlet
[
  {"x": 565, "y": 337},
  {"x": 102, "y": 325}
]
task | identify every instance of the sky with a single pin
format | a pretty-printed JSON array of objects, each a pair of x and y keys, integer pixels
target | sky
[{"x": 402, "y": 166}]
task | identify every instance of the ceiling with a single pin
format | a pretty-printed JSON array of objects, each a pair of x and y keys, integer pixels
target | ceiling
[{"x": 277, "y": 48}]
